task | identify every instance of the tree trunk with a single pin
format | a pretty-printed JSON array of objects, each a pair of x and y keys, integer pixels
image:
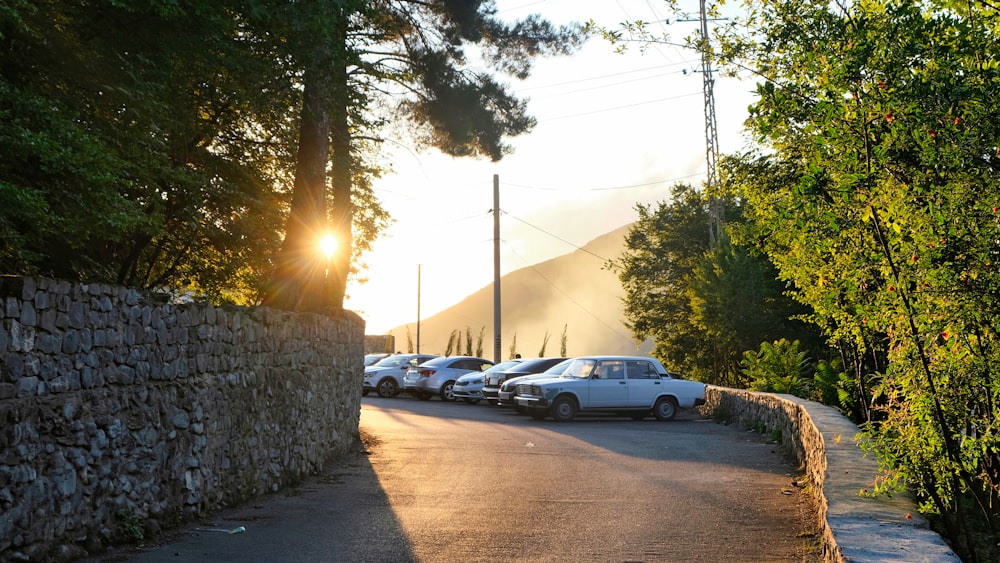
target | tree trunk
[
  {"x": 298, "y": 282},
  {"x": 342, "y": 172}
]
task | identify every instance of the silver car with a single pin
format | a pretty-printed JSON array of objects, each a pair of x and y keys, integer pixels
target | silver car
[
  {"x": 469, "y": 387},
  {"x": 438, "y": 376},
  {"x": 386, "y": 376}
]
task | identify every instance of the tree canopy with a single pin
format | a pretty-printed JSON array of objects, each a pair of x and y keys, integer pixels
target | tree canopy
[
  {"x": 874, "y": 194},
  {"x": 703, "y": 305},
  {"x": 197, "y": 146}
]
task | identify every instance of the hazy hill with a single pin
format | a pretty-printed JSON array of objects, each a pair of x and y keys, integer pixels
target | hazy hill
[{"x": 571, "y": 291}]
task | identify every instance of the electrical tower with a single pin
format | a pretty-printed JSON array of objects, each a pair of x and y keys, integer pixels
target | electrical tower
[{"x": 713, "y": 189}]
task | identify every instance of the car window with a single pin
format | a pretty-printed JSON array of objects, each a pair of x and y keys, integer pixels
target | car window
[
  {"x": 390, "y": 362},
  {"x": 610, "y": 369},
  {"x": 639, "y": 369},
  {"x": 580, "y": 369},
  {"x": 467, "y": 364}
]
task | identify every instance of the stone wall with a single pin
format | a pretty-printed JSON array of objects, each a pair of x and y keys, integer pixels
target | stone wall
[
  {"x": 121, "y": 413},
  {"x": 854, "y": 526}
]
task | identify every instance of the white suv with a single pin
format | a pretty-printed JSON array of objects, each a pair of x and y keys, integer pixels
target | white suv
[
  {"x": 386, "y": 376},
  {"x": 632, "y": 385}
]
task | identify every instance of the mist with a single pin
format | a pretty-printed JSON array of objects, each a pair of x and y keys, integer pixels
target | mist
[{"x": 573, "y": 292}]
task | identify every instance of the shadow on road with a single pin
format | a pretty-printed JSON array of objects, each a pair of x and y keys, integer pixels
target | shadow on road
[
  {"x": 341, "y": 515},
  {"x": 617, "y": 434}
]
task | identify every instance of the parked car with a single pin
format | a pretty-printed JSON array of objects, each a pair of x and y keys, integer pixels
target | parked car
[
  {"x": 496, "y": 377},
  {"x": 372, "y": 359},
  {"x": 505, "y": 397},
  {"x": 438, "y": 376},
  {"x": 386, "y": 376},
  {"x": 629, "y": 385},
  {"x": 469, "y": 387}
]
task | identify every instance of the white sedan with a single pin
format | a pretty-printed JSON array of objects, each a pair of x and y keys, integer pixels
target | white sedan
[
  {"x": 469, "y": 387},
  {"x": 631, "y": 385}
]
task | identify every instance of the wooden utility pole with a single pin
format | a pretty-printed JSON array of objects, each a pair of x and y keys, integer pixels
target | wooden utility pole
[{"x": 496, "y": 268}]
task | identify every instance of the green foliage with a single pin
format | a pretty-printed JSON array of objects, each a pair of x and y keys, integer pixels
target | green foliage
[
  {"x": 703, "y": 306},
  {"x": 129, "y": 526},
  {"x": 170, "y": 156},
  {"x": 833, "y": 387},
  {"x": 875, "y": 197},
  {"x": 778, "y": 367}
]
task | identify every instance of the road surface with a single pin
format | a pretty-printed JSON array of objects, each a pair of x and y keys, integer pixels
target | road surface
[{"x": 441, "y": 482}]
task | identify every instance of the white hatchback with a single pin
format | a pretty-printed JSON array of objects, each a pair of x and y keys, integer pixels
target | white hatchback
[{"x": 630, "y": 385}]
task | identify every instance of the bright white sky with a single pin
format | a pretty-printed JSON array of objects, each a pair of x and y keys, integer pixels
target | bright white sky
[{"x": 613, "y": 130}]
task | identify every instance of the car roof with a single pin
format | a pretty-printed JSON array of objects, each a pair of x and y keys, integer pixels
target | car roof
[
  {"x": 648, "y": 358},
  {"x": 531, "y": 363},
  {"x": 447, "y": 359}
]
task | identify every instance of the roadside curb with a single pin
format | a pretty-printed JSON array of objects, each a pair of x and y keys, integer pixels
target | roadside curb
[{"x": 856, "y": 528}]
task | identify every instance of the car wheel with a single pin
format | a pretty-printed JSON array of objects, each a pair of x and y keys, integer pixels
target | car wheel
[
  {"x": 537, "y": 414},
  {"x": 564, "y": 409},
  {"x": 448, "y": 391},
  {"x": 665, "y": 408},
  {"x": 387, "y": 388},
  {"x": 638, "y": 415}
]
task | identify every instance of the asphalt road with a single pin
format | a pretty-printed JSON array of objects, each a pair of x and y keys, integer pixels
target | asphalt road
[{"x": 442, "y": 482}]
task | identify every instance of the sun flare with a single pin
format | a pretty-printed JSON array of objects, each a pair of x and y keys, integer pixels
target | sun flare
[{"x": 328, "y": 245}]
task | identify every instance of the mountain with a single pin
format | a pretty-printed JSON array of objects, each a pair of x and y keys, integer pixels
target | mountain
[{"x": 572, "y": 291}]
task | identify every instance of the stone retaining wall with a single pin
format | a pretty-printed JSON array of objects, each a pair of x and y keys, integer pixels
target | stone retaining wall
[
  {"x": 854, "y": 527},
  {"x": 121, "y": 414}
]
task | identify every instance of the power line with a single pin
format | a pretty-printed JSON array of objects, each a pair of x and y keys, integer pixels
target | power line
[
  {"x": 570, "y": 299},
  {"x": 616, "y": 108},
  {"x": 611, "y": 188},
  {"x": 601, "y": 258}
]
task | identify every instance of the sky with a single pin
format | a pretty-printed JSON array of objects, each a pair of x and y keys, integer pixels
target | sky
[{"x": 614, "y": 130}]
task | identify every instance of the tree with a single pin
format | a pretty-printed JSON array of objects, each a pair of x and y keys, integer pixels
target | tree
[
  {"x": 662, "y": 249},
  {"x": 874, "y": 195},
  {"x": 703, "y": 305},
  {"x": 351, "y": 52},
  {"x": 146, "y": 158}
]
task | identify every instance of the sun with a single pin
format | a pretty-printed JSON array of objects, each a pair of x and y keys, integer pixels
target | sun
[{"x": 328, "y": 245}]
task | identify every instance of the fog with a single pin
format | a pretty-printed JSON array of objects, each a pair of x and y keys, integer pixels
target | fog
[{"x": 573, "y": 292}]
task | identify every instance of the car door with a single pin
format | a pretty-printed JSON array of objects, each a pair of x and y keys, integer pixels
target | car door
[
  {"x": 608, "y": 387},
  {"x": 644, "y": 383}
]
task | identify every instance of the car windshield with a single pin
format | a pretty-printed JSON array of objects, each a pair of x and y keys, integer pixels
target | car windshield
[
  {"x": 559, "y": 368},
  {"x": 502, "y": 366},
  {"x": 393, "y": 361},
  {"x": 579, "y": 369}
]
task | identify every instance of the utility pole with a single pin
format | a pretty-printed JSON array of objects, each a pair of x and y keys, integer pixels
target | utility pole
[
  {"x": 716, "y": 208},
  {"x": 496, "y": 268},
  {"x": 418, "y": 308}
]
